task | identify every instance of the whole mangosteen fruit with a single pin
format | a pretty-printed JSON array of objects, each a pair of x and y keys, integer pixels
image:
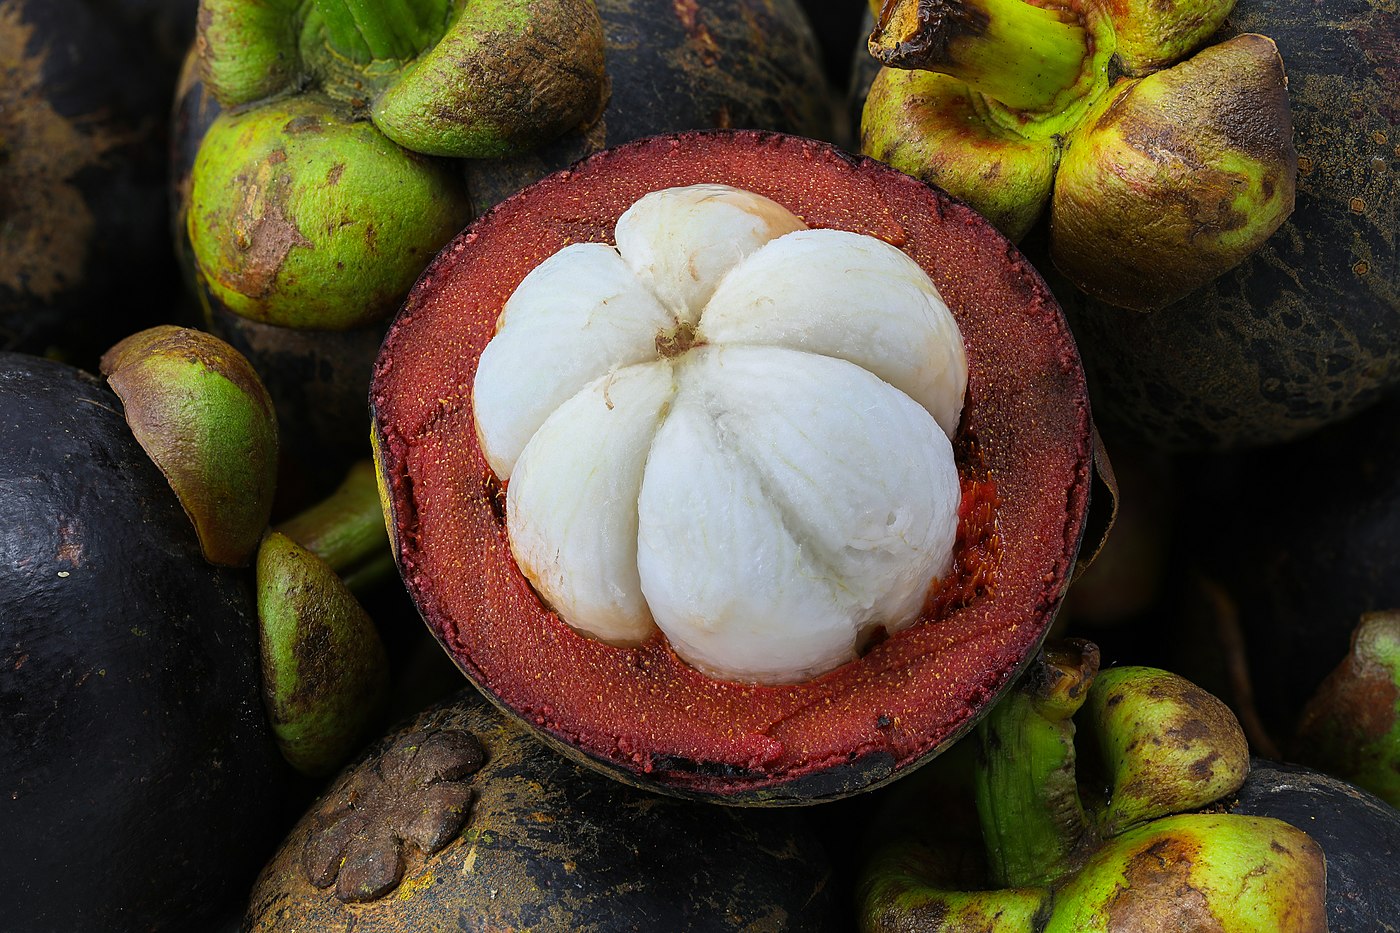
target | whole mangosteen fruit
[
  {"x": 459, "y": 819},
  {"x": 845, "y": 576},
  {"x": 141, "y": 782}
]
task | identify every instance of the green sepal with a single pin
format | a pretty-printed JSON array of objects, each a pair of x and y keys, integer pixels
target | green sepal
[
  {"x": 204, "y": 418},
  {"x": 911, "y": 888},
  {"x": 1174, "y": 178},
  {"x": 325, "y": 673},
  {"x": 940, "y": 131},
  {"x": 1150, "y": 34},
  {"x": 507, "y": 76},
  {"x": 1167, "y": 745}
]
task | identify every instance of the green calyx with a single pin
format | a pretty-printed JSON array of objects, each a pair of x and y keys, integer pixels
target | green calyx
[
  {"x": 1104, "y": 845},
  {"x": 1351, "y": 726},
  {"x": 1174, "y": 178},
  {"x": 322, "y": 189},
  {"x": 476, "y": 79},
  {"x": 325, "y": 674},
  {"x": 996, "y": 102},
  {"x": 202, "y": 415},
  {"x": 1026, "y": 57}
]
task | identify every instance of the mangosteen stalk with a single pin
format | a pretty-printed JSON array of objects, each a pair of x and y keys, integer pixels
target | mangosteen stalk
[
  {"x": 1027, "y": 57},
  {"x": 368, "y": 31},
  {"x": 1033, "y": 823},
  {"x": 346, "y": 530}
]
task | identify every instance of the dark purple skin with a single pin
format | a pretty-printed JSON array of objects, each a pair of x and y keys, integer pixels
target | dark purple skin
[
  {"x": 706, "y": 64},
  {"x": 140, "y": 786},
  {"x": 84, "y": 101},
  {"x": 1359, "y": 834}
]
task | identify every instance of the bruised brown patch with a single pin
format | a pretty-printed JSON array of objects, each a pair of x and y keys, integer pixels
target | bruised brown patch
[
  {"x": 263, "y": 233},
  {"x": 1158, "y": 892}
]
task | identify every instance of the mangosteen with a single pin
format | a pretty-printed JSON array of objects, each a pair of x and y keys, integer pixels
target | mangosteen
[
  {"x": 735, "y": 465},
  {"x": 459, "y": 819},
  {"x": 1302, "y": 333},
  {"x": 84, "y": 96},
  {"x": 141, "y": 783}
]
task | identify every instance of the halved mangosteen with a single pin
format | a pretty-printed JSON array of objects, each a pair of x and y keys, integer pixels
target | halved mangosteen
[{"x": 1022, "y": 454}]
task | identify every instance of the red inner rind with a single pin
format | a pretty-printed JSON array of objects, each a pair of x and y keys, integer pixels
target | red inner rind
[{"x": 643, "y": 710}]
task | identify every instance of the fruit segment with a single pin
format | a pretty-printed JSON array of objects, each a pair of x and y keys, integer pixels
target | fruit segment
[{"x": 730, "y": 424}]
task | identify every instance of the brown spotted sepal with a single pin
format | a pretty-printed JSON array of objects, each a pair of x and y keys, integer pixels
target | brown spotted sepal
[
  {"x": 1174, "y": 178},
  {"x": 202, "y": 415},
  {"x": 1168, "y": 745},
  {"x": 416, "y": 794},
  {"x": 325, "y": 673}
]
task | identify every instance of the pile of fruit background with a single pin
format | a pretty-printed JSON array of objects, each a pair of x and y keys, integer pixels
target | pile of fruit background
[{"x": 1253, "y": 430}]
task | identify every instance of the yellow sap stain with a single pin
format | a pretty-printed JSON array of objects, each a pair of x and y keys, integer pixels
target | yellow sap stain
[{"x": 409, "y": 887}]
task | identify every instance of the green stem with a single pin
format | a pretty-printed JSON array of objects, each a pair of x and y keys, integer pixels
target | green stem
[
  {"x": 1024, "y": 56},
  {"x": 1033, "y": 823},
  {"x": 346, "y": 530},
  {"x": 366, "y": 31}
]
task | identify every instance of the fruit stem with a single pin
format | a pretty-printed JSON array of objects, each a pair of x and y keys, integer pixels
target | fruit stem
[
  {"x": 1033, "y": 823},
  {"x": 346, "y": 530},
  {"x": 367, "y": 31},
  {"x": 1027, "y": 57}
]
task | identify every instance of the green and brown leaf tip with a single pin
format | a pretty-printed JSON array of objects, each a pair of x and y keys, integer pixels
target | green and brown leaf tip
[
  {"x": 1160, "y": 171},
  {"x": 328, "y": 181}
]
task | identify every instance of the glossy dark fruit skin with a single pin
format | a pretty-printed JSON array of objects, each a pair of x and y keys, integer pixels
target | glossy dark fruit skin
[
  {"x": 721, "y": 64},
  {"x": 1359, "y": 834},
  {"x": 549, "y": 845},
  {"x": 640, "y": 713},
  {"x": 84, "y": 97},
  {"x": 139, "y": 783},
  {"x": 1303, "y": 333}
]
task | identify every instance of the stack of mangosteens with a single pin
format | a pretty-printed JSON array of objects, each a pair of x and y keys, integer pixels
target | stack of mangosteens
[{"x": 735, "y": 472}]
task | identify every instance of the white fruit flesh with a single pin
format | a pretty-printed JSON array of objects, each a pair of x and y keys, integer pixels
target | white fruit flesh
[{"x": 731, "y": 428}]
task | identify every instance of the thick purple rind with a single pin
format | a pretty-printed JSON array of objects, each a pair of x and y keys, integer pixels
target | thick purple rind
[{"x": 1028, "y": 414}]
